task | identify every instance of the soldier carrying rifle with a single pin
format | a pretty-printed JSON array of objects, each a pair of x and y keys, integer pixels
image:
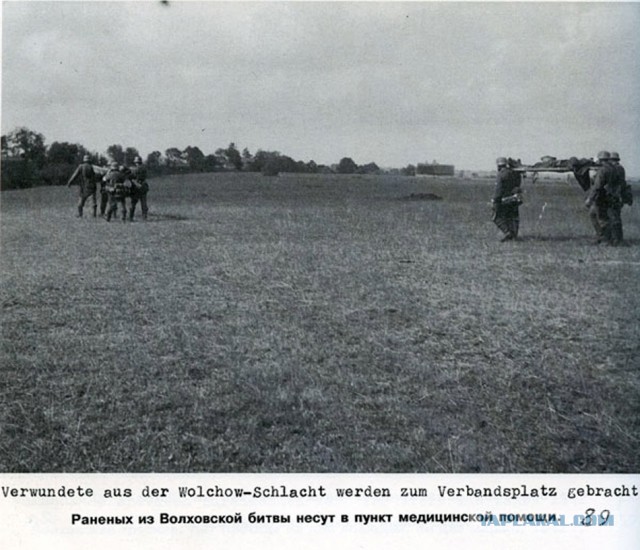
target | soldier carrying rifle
[{"x": 507, "y": 200}]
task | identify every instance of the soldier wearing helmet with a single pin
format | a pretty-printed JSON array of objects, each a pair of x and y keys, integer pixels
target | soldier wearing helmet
[
  {"x": 140, "y": 189},
  {"x": 86, "y": 177},
  {"x": 116, "y": 188},
  {"x": 626, "y": 194},
  {"x": 506, "y": 200},
  {"x": 104, "y": 193},
  {"x": 604, "y": 201}
]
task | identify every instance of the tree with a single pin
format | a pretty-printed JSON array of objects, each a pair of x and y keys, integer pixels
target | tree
[
  {"x": 130, "y": 154},
  {"x": 233, "y": 156},
  {"x": 347, "y": 166},
  {"x": 287, "y": 164},
  {"x": 154, "y": 160},
  {"x": 261, "y": 158},
  {"x": 174, "y": 157},
  {"x": 247, "y": 159},
  {"x": 116, "y": 153},
  {"x": 409, "y": 170},
  {"x": 5, "y": 147},
  {"x": 65, "y": 153},
  {"x": 194, "y": 157},
  {"x": 209, "y": 163},
  {"x": 271, "y": 167},
  {"x": 27, "y": 145},
  {"x": 98, "y": 159},
  {"x": 371, "y": 168},
  {"x": 23, "y": 158}
]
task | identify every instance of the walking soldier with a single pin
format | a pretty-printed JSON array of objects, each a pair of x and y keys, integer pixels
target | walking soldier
[
  {"x": 87, "y": 186},
  {"x": 626, "y": 194},
  {"x": 604, "y": 201},
  {"x": 104, "y": 194},
  {"x": 117, "y": 190},
  {"x": 507, "y": 200},
  {"x": 140, "y": 189}
]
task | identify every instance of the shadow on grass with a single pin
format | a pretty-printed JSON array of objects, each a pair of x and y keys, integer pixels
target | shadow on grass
[
  {"x": 162, "y": 217},
  {"x": 582, "y": 239}
]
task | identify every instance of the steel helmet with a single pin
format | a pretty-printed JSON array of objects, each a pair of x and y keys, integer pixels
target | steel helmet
[
  {"x": 501, "y": 161},
  {"x": 604, "y": 155},
  {"x": 86, "y": 158},
  {"x": 614, "y": 156},
  {"x": 138, "y": 160},
  {"x": 114, "y": 165}
]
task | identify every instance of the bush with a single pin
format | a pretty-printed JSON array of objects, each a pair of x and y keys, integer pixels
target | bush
[
  {"x": 56, "y": 174},
  {"x": 271, "y": 167},
  {"x": 18, "y": 174}
]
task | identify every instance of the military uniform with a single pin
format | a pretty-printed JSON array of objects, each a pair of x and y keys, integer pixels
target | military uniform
[
  {"x": 506, "y": 201},
  {"x": 139, "y": 190},
  {"x": 115, "y": 186},
  {"x": 626, "y": 195},
  {"x": 605, "y": 202},
  {"x": 104, "y": 194},
  {"x": 87, "y": 186}
]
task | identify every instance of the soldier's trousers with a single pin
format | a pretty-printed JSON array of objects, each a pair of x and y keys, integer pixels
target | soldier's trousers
[
  {"x": 615, "y": 222},
  {"x": 104, "y": 201},
  {"x": 507, "y": 218},
  {"x": 599, "y": 216},
  {"x": 606, "y": 220},
  {"x": 83, "y": 196},
  {"x": 113, "y": 207},
  {"x": 142, "y": 198}
]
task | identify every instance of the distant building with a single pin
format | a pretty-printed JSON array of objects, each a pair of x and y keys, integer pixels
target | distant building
[{"x": 435, "y": 169}]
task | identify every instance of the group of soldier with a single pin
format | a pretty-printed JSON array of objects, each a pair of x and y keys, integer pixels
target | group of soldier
[
  {"x": 609, "y": 191},
  {"x": 118, "y": 184}
]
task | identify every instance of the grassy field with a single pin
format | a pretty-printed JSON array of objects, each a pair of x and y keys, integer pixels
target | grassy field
[{"x": 317, "y": 324}]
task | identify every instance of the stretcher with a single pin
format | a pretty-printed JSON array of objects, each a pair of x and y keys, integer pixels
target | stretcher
[{"x": 580, "y": 168}]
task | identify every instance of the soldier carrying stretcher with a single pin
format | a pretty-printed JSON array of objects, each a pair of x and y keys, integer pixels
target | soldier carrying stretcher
[{"x": 507, "y": 200}]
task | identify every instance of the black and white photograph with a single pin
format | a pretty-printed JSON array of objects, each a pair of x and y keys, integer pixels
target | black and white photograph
[{"x": 320, "y": 237}]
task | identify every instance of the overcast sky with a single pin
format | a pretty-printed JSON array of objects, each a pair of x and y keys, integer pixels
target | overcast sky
[{"x": 394, "y": 83}]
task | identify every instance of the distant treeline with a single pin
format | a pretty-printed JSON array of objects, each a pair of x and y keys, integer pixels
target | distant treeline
[{"x": 27, "y": 161}]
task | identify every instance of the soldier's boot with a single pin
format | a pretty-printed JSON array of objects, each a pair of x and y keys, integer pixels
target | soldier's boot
[
  {"x": 79, "y": 214},
  {"x": 607, "y": 233},
  {"x": 131, "y": 214},
  {"x": 621, "y": 236},
  {"x": 515, "y": 226},
  {"x": 615, "y": 231},
  {"x": 95, "y": 211},
  {"x": 504, "y": 226}
]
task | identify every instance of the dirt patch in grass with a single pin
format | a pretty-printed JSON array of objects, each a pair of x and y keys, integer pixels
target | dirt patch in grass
[{"x": 421, "y": 197}]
